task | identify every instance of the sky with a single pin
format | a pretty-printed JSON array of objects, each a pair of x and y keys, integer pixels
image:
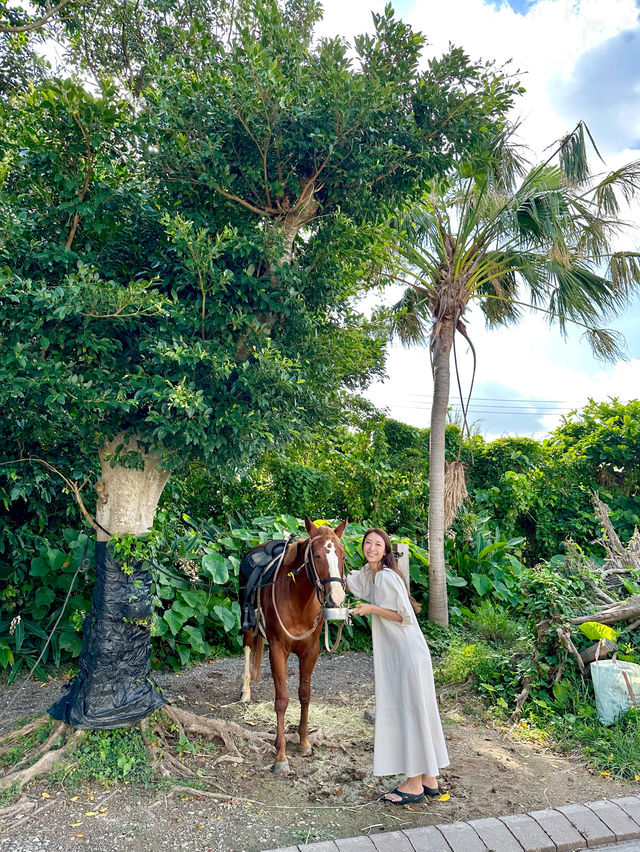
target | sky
[{"x": 578, "y": 59}]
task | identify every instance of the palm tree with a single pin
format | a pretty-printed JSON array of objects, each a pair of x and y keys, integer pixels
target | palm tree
[{"x": 509, "y": 239}]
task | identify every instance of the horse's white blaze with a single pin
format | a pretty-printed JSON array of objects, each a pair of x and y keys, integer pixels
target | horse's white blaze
[{"x": 337, "y": 591}]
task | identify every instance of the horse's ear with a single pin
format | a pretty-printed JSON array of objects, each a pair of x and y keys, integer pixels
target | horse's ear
[
  {"x": 339, "y": 531},
  {"x": 310, "y": 527}
]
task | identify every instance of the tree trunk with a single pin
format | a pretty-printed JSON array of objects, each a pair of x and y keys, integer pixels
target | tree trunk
[
  {"x": 438, "y": 604},
  {"x": 113, "y": 687}
]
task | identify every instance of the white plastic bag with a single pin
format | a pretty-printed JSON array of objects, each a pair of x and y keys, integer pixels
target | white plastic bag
[{"x": 617, "y": 687}]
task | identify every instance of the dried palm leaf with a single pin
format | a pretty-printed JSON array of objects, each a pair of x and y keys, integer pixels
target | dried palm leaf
[{"x": 455, "y": 491}]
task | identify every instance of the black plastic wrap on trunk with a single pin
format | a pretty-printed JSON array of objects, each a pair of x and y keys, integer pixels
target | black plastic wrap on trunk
[{"x": 113, "y": 687}]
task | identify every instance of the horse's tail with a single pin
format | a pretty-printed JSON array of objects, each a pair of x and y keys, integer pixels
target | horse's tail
[{"x": 256, "y": 657}]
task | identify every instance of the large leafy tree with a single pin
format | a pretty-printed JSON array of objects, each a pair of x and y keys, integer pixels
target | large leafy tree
[
  {"x": 180, "y": 254},
  {"x": 507, "y": 238}
]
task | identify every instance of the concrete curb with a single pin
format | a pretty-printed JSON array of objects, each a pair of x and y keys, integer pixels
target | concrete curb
[{"x": 569, "y": 828}]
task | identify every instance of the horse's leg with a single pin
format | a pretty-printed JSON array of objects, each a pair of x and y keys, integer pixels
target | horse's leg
[
  {"x": 246, "y": 676},
  {"x": 307, "y": 662},
  {"x": 278, "y": 658}
]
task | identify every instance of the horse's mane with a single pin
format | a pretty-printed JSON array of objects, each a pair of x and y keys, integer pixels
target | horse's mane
[{"x": 292, "y": 551}]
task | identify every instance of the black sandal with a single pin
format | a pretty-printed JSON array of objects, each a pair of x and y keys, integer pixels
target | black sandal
[
  {"x": 431, "y": 791},
  {"x": 405, "y": 798}
]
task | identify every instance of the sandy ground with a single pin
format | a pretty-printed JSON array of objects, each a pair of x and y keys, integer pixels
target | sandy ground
[{"x": 331, "y": 794}]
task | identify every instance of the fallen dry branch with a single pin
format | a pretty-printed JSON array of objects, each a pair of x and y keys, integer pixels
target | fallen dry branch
[
  {"x": 600, "y": 650},
  {"x": 617, "y": 611},
  {"x": 565, "y": 640},
  {"x": 526, "y": 683}
]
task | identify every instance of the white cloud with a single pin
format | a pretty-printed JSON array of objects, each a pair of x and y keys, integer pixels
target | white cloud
[
  {"x": 530, "y": 361},
  {"x": 515, "y": 365}
]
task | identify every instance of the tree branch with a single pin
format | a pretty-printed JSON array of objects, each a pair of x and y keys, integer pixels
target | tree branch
[
  {"x": 73, "y": 487},
  {"x": 34, "y": 25}
]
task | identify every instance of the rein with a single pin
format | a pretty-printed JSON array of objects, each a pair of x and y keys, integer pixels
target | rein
[{"x": 318, "y": 586}]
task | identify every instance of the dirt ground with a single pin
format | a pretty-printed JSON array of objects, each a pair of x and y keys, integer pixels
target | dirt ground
[{"x": 330, "y": 795}]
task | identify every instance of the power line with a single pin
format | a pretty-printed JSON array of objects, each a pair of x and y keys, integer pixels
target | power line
[{"x": 565, "y": 402}]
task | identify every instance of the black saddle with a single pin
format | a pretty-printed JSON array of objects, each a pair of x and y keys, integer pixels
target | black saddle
[{"x": 256, "y": 570}]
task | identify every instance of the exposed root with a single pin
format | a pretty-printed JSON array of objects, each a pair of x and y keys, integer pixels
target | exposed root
[
  {"x": 8, "y": 739},
  {"x": 455, "y": 491},
  {"x": 58, "y": 730},
  {"x": 29, "y": 816},
  {"x": 17, "y": 809},
  {"x": 209, "y": 728},
  {"x": 43, "y": 765},
  {"x": 317, "y": 738}
]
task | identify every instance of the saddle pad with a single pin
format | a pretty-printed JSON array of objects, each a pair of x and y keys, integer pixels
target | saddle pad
[{"x": 256, "y": 570}]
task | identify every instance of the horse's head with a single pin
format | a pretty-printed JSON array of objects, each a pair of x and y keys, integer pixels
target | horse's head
[{"x": 325, "y": 562}]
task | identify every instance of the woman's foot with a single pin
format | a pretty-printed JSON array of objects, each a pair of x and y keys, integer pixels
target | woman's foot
[
  {"x": 430, "y": 785},
  {"x": 407, "y": 793}
]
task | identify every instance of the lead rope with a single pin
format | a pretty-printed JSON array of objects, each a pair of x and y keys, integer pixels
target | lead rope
[{"x": 326, "y": 637}]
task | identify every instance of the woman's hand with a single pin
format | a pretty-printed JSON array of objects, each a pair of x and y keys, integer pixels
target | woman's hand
[{"x": 363, "y": 609}]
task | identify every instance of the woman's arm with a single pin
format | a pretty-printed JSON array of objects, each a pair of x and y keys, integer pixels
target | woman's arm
[{"x": 372, "y": 609}]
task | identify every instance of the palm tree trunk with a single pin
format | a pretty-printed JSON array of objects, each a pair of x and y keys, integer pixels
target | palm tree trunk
[{"x": 438, "y": 604}]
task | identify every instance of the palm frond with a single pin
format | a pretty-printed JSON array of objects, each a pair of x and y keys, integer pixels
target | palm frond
[
  {"x": 581, "y": 294},
  {"x": 625, "y": 180},
  {"x": 410, "y": 318},
  {"x": 606, "y": 344},
  {"x": 624, "y": 270},
  {"x": 572, "y": 154}
]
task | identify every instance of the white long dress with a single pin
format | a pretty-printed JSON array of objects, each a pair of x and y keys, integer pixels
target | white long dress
[{"x": 408, "y": 732}]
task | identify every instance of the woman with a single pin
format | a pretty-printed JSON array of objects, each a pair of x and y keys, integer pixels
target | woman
[{"x": 408, "y": 733}]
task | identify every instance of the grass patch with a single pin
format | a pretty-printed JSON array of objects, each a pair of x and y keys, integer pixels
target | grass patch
[
  {"x": 490, "y": 622},
  {"x": 463, "y": 660},
  {"x": 9, "y": 796}
]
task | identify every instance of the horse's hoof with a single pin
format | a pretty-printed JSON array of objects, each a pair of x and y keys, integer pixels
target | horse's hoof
[
  {"x": 281, "y": 768},
  {"x": 246, "y": 698},
  {"x": 306, "y": 751}
]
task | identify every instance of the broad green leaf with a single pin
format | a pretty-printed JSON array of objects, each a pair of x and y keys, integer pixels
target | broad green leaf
[
  {"x": 481, "y": 583},
  {"x": 216, "y": 567}
]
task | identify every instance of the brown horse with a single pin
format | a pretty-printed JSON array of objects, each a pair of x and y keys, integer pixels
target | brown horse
[{"x": 311, "y": 576}]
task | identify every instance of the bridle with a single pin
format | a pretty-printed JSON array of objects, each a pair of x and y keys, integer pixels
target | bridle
[
  {"x": 314, "y": 578},
  {"x": 318, "y": 585}
]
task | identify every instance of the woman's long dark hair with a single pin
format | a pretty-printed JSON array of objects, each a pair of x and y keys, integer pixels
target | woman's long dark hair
[{"x": 389, "y": 561}]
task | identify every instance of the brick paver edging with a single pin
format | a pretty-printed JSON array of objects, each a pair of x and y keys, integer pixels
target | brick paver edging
[{"x": 569, "y": 828}]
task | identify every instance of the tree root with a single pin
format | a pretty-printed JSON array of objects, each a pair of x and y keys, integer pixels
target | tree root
[
  {"x": 317, "y": 738},
  {"x": 57, "y": 731},
  {"x": 42, "y": 765},
  {"x": 171, "y": 718},
  {"x": 203, "y": 726},
  {"x": 8, "y": 739},
  {"x": 17, "y": 809}
]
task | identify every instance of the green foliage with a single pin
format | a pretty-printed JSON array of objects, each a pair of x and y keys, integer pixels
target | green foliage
[
  {"x": 615, "y": 749},
  {"x": 108, "y": 757},
  {"x": 31, "y": 603},
  {"x": 19, "y": 750},
  {"x": 463, "y": 661},
  {"x": 491, "y": 622},
  {"x": 481, "y": 558}
]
